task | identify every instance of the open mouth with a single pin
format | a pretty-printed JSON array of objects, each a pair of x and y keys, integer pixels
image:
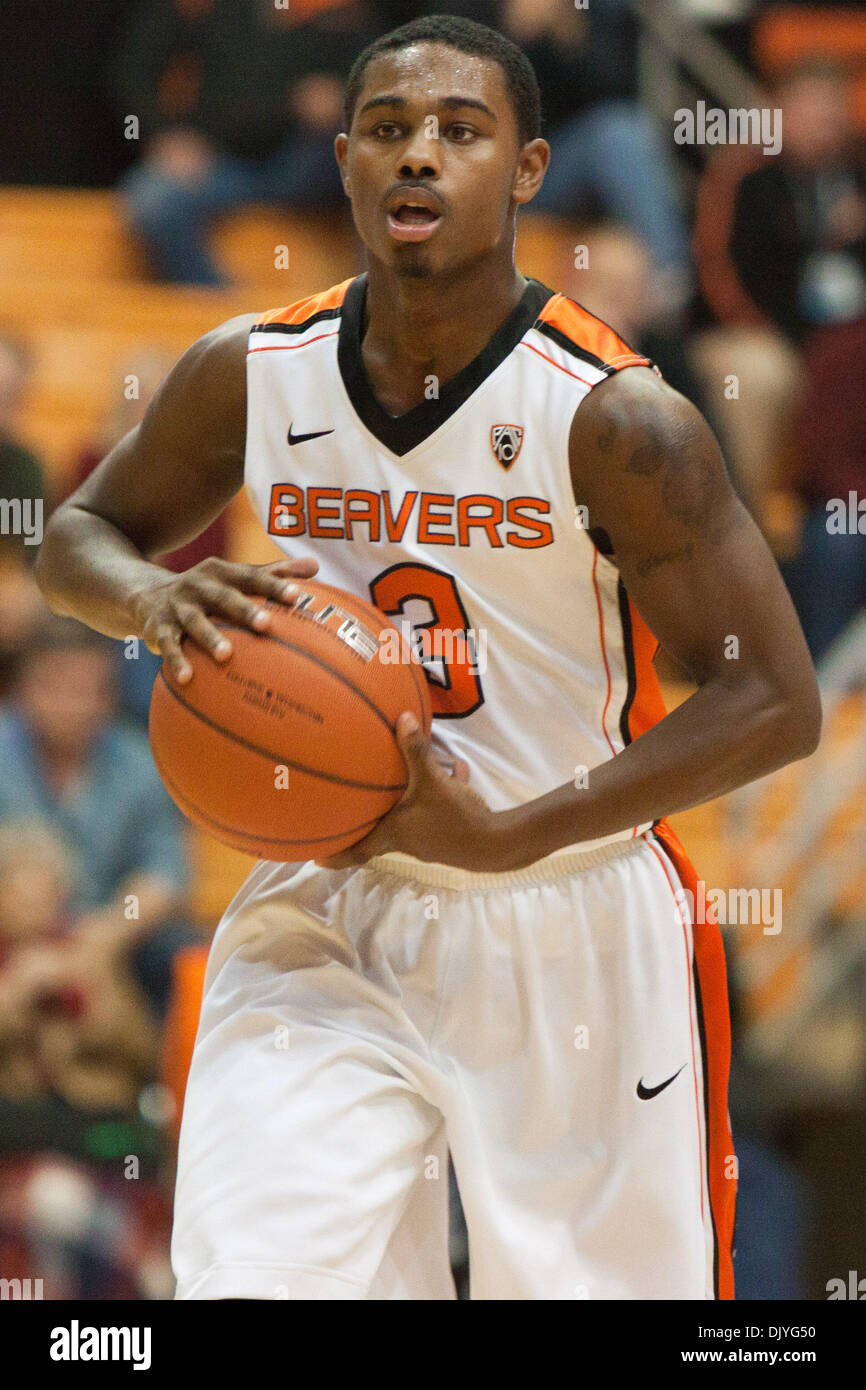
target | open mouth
[
  {"x": 409, "y": 221},
  {"x": 413, "y": 215}
]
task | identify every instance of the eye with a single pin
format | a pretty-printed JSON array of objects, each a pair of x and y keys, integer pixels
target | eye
[
  {"x": 388, "y": 127},
  {"x": 459, "y": 130}
]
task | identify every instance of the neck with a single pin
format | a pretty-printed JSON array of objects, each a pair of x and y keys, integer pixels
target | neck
[{"x": 438, "y": 323}]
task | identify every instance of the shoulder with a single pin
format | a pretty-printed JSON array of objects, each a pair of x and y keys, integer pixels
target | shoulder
[
  {"x": 208, "y": 382},
  {"x": 223, "y": 349},
  {"x": 586, "y": 337},
  {"x": 636, "y": 424},
  {"x": 299, "y": 315}
]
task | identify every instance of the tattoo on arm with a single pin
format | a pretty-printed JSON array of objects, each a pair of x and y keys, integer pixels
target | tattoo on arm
[
  {"x": 690, "y": 471},
  {"x": 650, "y": 563}
]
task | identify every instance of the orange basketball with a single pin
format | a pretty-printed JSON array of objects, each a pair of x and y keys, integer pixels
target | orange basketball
[{"x": 287, "y": 750}]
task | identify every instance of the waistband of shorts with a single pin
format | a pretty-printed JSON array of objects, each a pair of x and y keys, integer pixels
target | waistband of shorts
[{"x": 542, "y": 871}]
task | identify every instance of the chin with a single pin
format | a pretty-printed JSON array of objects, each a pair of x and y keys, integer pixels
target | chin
[{"x": 413, "y": 271}]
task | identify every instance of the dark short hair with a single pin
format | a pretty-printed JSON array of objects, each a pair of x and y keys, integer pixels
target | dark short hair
[{"x": 468, "y": 37}]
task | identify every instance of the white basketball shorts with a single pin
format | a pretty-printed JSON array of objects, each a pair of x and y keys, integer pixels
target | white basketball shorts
[{"x": 562, "y": 1029}]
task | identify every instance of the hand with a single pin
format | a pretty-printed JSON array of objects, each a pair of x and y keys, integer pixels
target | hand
[
  {"x": 168, "y": 610},
  {"x": 438, "y": 817},
  {"x": 182, "y": 155}
]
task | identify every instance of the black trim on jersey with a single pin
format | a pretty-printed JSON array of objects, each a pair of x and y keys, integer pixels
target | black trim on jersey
[
  {"x": 601, "y": 540},
  {"x": 321, "y": 316},
  {"x": 401, "y": 433},
  {"x": 628, "y": 646},
  {"x": 569, "y": 345}
]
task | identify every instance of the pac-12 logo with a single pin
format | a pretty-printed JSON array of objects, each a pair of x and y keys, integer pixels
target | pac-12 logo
[{"x": 506, "y": 442}]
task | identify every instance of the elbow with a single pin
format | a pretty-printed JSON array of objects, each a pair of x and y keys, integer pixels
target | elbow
[
  {"x": 798, "y": 720},
  {"x": 42, "y": 573},
  {"x": 812, "y": 725},
  {"x": 48, "y": 566}
]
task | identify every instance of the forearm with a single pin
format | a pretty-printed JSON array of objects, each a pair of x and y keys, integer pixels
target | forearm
[
  {"x": 719, "y": 739},
  {"x": 87, "y": 569}
]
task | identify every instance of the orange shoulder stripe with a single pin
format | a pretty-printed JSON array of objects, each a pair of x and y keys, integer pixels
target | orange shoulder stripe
[
  {"x": 590, "y": 333},
  {"x": 305, "y": 309}
]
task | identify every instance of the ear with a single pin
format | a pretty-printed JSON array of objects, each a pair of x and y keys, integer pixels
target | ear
[
  {"x": 532, "y": 165},
  {"x": 341, "y": 146}
]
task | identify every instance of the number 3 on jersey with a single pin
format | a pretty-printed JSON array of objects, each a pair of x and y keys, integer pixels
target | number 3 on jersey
[{"x": 427, "y": 600}]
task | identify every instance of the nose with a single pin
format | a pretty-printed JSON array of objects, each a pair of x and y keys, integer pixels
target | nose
[{"x": 420, "y": 158}]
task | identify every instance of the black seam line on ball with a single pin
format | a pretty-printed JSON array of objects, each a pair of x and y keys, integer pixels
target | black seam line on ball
[
  {"x": 278, "y": 758},
  {"x": 318, "y": 660},
  {"x": 246, "y": 834}
]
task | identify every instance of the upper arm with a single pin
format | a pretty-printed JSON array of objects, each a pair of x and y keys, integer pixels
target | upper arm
[
  {"x": 166, "y": 480},
  {"x": 648, "y": 467}
]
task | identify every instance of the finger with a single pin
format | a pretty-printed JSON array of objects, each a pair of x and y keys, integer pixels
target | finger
[
  {"x": 376, "y": 841},
  {"x": 262, "y": 580},
  {"x": 350, "y": 858},
  {"x": 203, "y": 632},
  {"x": 303, "y": 568},
  {"x": 450, "y": 764},
  {"x": 168, "y": 635},
  {"x": 415, "y": 748},
  {"x": 346, "y": 860},
  {"x": 277, "y": 580},
  {"x": 223, "y": 598}
]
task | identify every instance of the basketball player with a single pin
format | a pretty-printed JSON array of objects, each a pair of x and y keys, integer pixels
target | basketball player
[{"x": 506, "y": 966}]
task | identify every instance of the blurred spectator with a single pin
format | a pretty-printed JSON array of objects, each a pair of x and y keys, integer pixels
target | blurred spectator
[
  {"x": 22, "y": 479},
  {"x": 145, "y": 370},
  {"x": 781, "y": 248},
  {"x": 608, "y": 155},
  {"x": 238, "y": 102},
  {"x": 67, "y": 760},
  {"x": 617, "y": 284},
  {"x": 828, "y": 432},
  {"x": 72, "y": 1021},
  {"x": 78, "y": 1045},
  {"x": 23, "y": 512},
  {"x": 22, "y": 608},
  {"x": 798, "y": 235}
]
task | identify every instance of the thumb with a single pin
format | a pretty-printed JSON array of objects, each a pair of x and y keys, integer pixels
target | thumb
[
  {"x": 304, "y": 567},
  {"x": 412, "y": 744}
]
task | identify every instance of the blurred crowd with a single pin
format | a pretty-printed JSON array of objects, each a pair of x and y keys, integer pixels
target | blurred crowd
[{"x": 742, "y": 275}]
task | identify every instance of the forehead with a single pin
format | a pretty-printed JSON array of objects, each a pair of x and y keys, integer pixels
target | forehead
[{"x": 427, "y": 73}]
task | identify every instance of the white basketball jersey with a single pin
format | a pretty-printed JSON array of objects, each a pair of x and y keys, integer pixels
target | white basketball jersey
[{"x": 458, "y": 518}]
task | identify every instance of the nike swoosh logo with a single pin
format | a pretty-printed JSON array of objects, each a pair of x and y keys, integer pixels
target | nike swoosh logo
[
  {"x": 647, "y": 1092},
  {"x": 300, "y": 438}
]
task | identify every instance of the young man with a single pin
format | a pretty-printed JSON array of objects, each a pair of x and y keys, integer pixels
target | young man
[{"x": 505, "y": 967}]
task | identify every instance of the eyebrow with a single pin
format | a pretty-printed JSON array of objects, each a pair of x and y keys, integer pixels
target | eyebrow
[{"x": 450, "y": 102}]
